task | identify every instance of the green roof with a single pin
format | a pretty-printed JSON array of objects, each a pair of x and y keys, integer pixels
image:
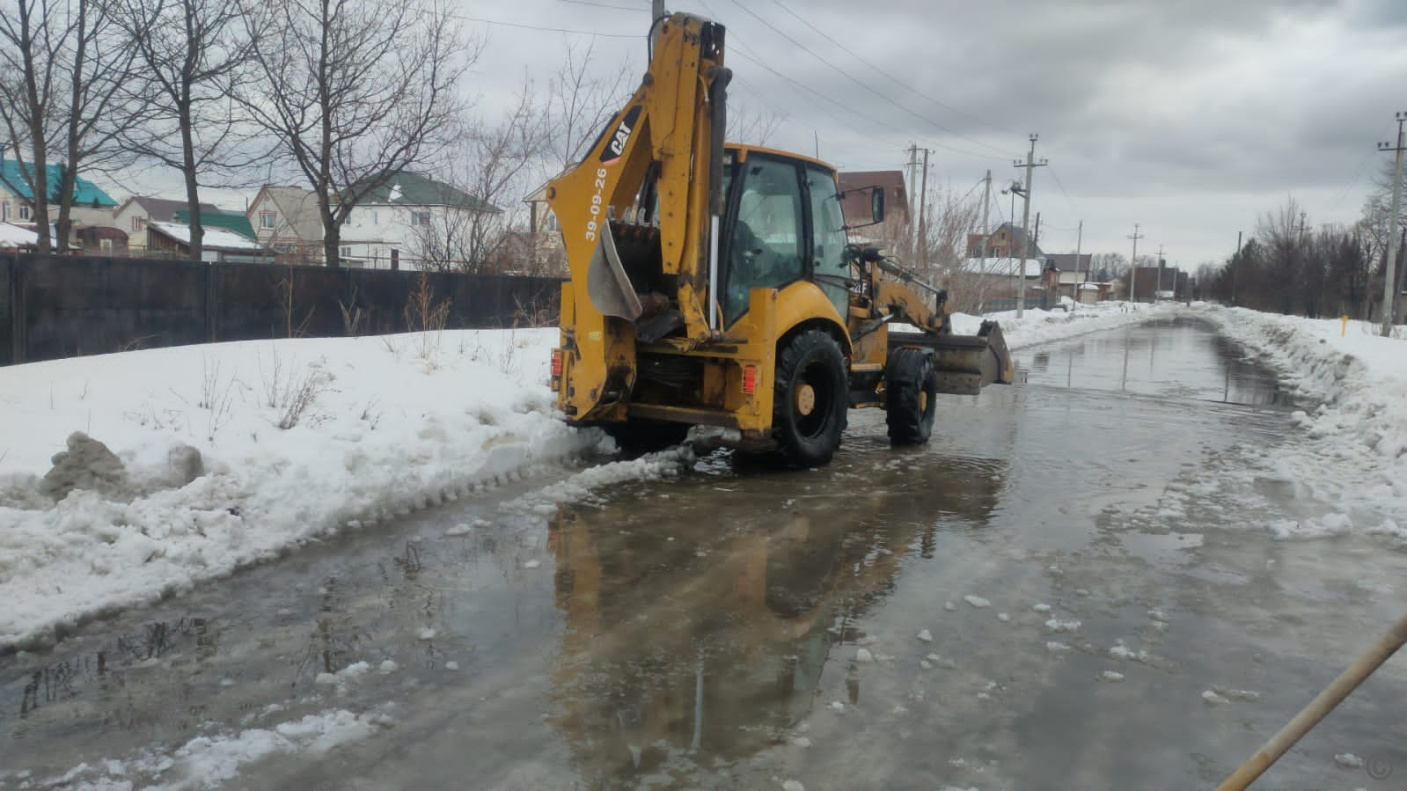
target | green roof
[
  {"x": 413, "y": 189},
  {"x": 85, "y": 192},
  {"x": 230, "y": 221}
]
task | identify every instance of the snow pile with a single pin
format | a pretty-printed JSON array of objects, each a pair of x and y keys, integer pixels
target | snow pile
[
  {"x": 1354, "y": 454},
  {"x": 1038, "y": 326},
  {"x": 229, "y": 454},
  {"x": 209, "y": 761}
]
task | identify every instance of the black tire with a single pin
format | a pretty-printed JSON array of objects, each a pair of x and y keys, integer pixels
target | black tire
[
  {"x": 911, "y": 396},
  {"x": 809, "y": 437},
  {"x": 646, "y": 436}
]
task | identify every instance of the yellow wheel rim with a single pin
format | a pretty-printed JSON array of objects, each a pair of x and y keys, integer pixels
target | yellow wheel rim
[
  {"x": 922, "y": 402},
  {"x": 805, "y": 400}
]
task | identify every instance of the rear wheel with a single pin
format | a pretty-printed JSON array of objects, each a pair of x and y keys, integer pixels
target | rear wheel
[
  {"x": 646, "y": 436},
  {"x": 810, "y": 400},
  {"x": 911, "y": 389}
]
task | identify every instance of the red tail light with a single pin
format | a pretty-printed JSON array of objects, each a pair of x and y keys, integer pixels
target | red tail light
[
  {"x": 750, "y": 379},
  {"x": 556, "y": 362}
]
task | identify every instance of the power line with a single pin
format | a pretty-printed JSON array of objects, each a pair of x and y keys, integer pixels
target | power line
[
  {"x": 896, "y": 80},
  {"x": 632, "y": 9},
  {"x": 868, "y": 88},
  {"x": 525, "y": 26},
  {"x": 1068, "y": 199}
]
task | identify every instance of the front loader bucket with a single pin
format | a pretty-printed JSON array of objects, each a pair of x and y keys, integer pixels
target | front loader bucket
[{"x": 965, "y": 363}]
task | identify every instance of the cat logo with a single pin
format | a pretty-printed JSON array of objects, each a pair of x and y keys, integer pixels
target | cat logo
[{"x": 616, "y": 147}]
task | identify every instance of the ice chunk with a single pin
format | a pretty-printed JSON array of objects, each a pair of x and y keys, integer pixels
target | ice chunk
[
  {"x": 864, "y": 656},
  {"x": 386, "y": 668},
  {"x": 325, "y": 679},
  {"x": 451, "y": 665},
  {"x": 793, "y": 785},
  {"x": 1003, "y": 617},
  {"x": 1041, "y": 608},
  {"x": 532, "y": 564},
  {"x": 1057, "y": 625},
  {"x": 837, "y": 706},
  {"x": 949, "y": 606},
  {"x": 1111, "y": 676},
  {"x": 976, "y": 601},
  {"x": 1348, "y": 761},
  {"x": 427, "y": 634},
  {"x": 925, "y": 636},
  {"x": 1213, "y": 699},
  {"x": 460, "y": 529},
  {"x": 1056, "y": 647}
]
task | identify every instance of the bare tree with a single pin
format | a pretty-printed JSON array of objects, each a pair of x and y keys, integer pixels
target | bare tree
[
  {"x": 354, "y": 92},
  {"x": 752, "y": 128},
  {"x": 188, "y": 50},
  {"x": 491, "y": 167},
  {"x": 580, "y": 100},
  {"x": 62, "y": 65}
]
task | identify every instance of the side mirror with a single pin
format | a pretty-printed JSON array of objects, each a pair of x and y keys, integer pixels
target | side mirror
[{"x": 876, "y": 204}]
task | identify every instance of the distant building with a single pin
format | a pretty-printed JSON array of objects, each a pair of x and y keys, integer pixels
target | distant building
[
  {"x": 1004, "y": 242},
  {"x": 217, "y": 244},
  {"x": 286, "y": 220},
  {"x": 91, "y": 206},
  {"x": 412, "y": 217},
  {"x": 894, "y": 233},
  {"x": 135, "y": 212}
]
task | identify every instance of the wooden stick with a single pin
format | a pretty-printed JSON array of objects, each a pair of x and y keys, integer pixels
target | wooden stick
[{"x": 1318, "y": 708}]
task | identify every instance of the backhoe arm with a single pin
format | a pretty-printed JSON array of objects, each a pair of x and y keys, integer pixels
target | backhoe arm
[{"x": 654, "y": 177}]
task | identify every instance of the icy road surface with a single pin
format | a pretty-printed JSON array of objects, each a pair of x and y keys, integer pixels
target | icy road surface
[{"x": 1067, "y": 589}]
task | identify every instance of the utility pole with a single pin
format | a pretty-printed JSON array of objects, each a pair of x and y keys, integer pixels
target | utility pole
[
  {"x": 1390, "y": 274},
  {"x": 1302, "y": 227},
  {"x": 1133, "y": 266},
  {"x": 1079, "y": 241},
  {"x": 913, "y": 180},
  {"x": 1030, "y": 165},
  {"x": 656, "y": 12},
  {"x": 1160, "y": 272},
  {"x": 986, "y": 233},
  {"x": 922, "y": 258}
]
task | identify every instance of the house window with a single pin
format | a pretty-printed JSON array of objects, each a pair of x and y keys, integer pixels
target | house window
[
  {"x": 375, "y": 218},
  {"x": 266, "y": 219},
  {"x": 24, "y": 211},
  {"x": 347, "y": 251},
  {"x": 136, "y": 223},
  {"x": 105, "y": 245},
  {"x": 420, "y": 218},
  {"x": 5, "y": 211}
]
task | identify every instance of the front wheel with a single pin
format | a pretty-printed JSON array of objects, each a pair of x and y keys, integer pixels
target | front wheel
[
  {"x": 911, "y": 389},
  {"x": 810, "y": 400}
]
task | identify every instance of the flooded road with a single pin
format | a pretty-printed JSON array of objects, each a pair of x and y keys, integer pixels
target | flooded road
[{"x": 1085, "y": 554}]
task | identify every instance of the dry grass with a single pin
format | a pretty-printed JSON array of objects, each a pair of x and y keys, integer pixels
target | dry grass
[{"x": 426, "y": 316}]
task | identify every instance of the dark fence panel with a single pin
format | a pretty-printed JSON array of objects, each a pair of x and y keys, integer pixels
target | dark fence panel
[
  {"x": 8, "y": 340},
  {"x": 74, "y": 306},
  {"x": 63, "y": 306}
]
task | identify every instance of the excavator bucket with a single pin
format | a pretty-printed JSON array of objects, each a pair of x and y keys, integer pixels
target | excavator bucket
[
  {"x": 965, "y": 363},
  {"x": 607, "y": 284}
]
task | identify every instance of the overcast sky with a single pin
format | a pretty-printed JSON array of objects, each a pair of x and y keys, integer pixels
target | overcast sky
[{"x": 1191, "y": 117}]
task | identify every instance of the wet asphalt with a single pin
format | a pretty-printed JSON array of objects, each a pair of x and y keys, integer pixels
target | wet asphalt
[{"x": 736, "y": 627}]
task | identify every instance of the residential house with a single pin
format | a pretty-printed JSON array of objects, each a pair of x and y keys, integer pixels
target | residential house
[
  {"x": 1072, "y": 271},
  {"x": 286, "y": 220},
  {"x": 13, "y": 238},
  {"x": 135, "y": 212},
  {"x": 894, "y": 232},
  {"x": 235, "y": 221},
  {"x": 102, "y": 240},
  {"x": 545, "y": 250},
  {"x": 412, "y": 219},
  {"x": 217, "y": 244},
  {"x": 981, "y": 285},
  {"x": 1158, "y": 282},
  {"x": 1004, "y": 242},
  {"x": 91, "y": 206}
]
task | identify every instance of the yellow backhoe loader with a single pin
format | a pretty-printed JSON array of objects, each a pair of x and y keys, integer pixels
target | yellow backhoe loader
[{"x": 714, "y": 284}]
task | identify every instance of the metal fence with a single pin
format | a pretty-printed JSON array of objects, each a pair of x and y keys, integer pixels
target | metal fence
[{"x": 65, "y": 306}]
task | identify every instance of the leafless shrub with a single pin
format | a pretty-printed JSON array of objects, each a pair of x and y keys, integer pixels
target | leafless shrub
[
  {"x": 354, "y": 319},
  {"x": 426, "y": 316},
  {"x": 298, "y": 397},
  {"x": 216, "y": 396}
]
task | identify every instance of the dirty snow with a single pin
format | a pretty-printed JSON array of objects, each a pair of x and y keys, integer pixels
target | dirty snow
[
  {"x": 388, "y": 425},
  {"x": 209, "y": 761},
  {"x": 1352, "y": 453}
]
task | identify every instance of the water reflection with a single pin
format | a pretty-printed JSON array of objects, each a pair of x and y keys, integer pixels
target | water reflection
[{"x": 707, "y": 633}]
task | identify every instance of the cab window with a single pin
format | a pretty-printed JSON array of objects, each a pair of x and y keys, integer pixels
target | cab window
[
  {"x": 829, "y": 263},
  {"x": 767, "y": 245}
]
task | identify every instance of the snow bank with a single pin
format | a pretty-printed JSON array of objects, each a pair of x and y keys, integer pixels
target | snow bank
[
  {"x": 1044, "y": 326},
  {"x": 1355, "y": 454},
  {"x": 296, "y": 439}
]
